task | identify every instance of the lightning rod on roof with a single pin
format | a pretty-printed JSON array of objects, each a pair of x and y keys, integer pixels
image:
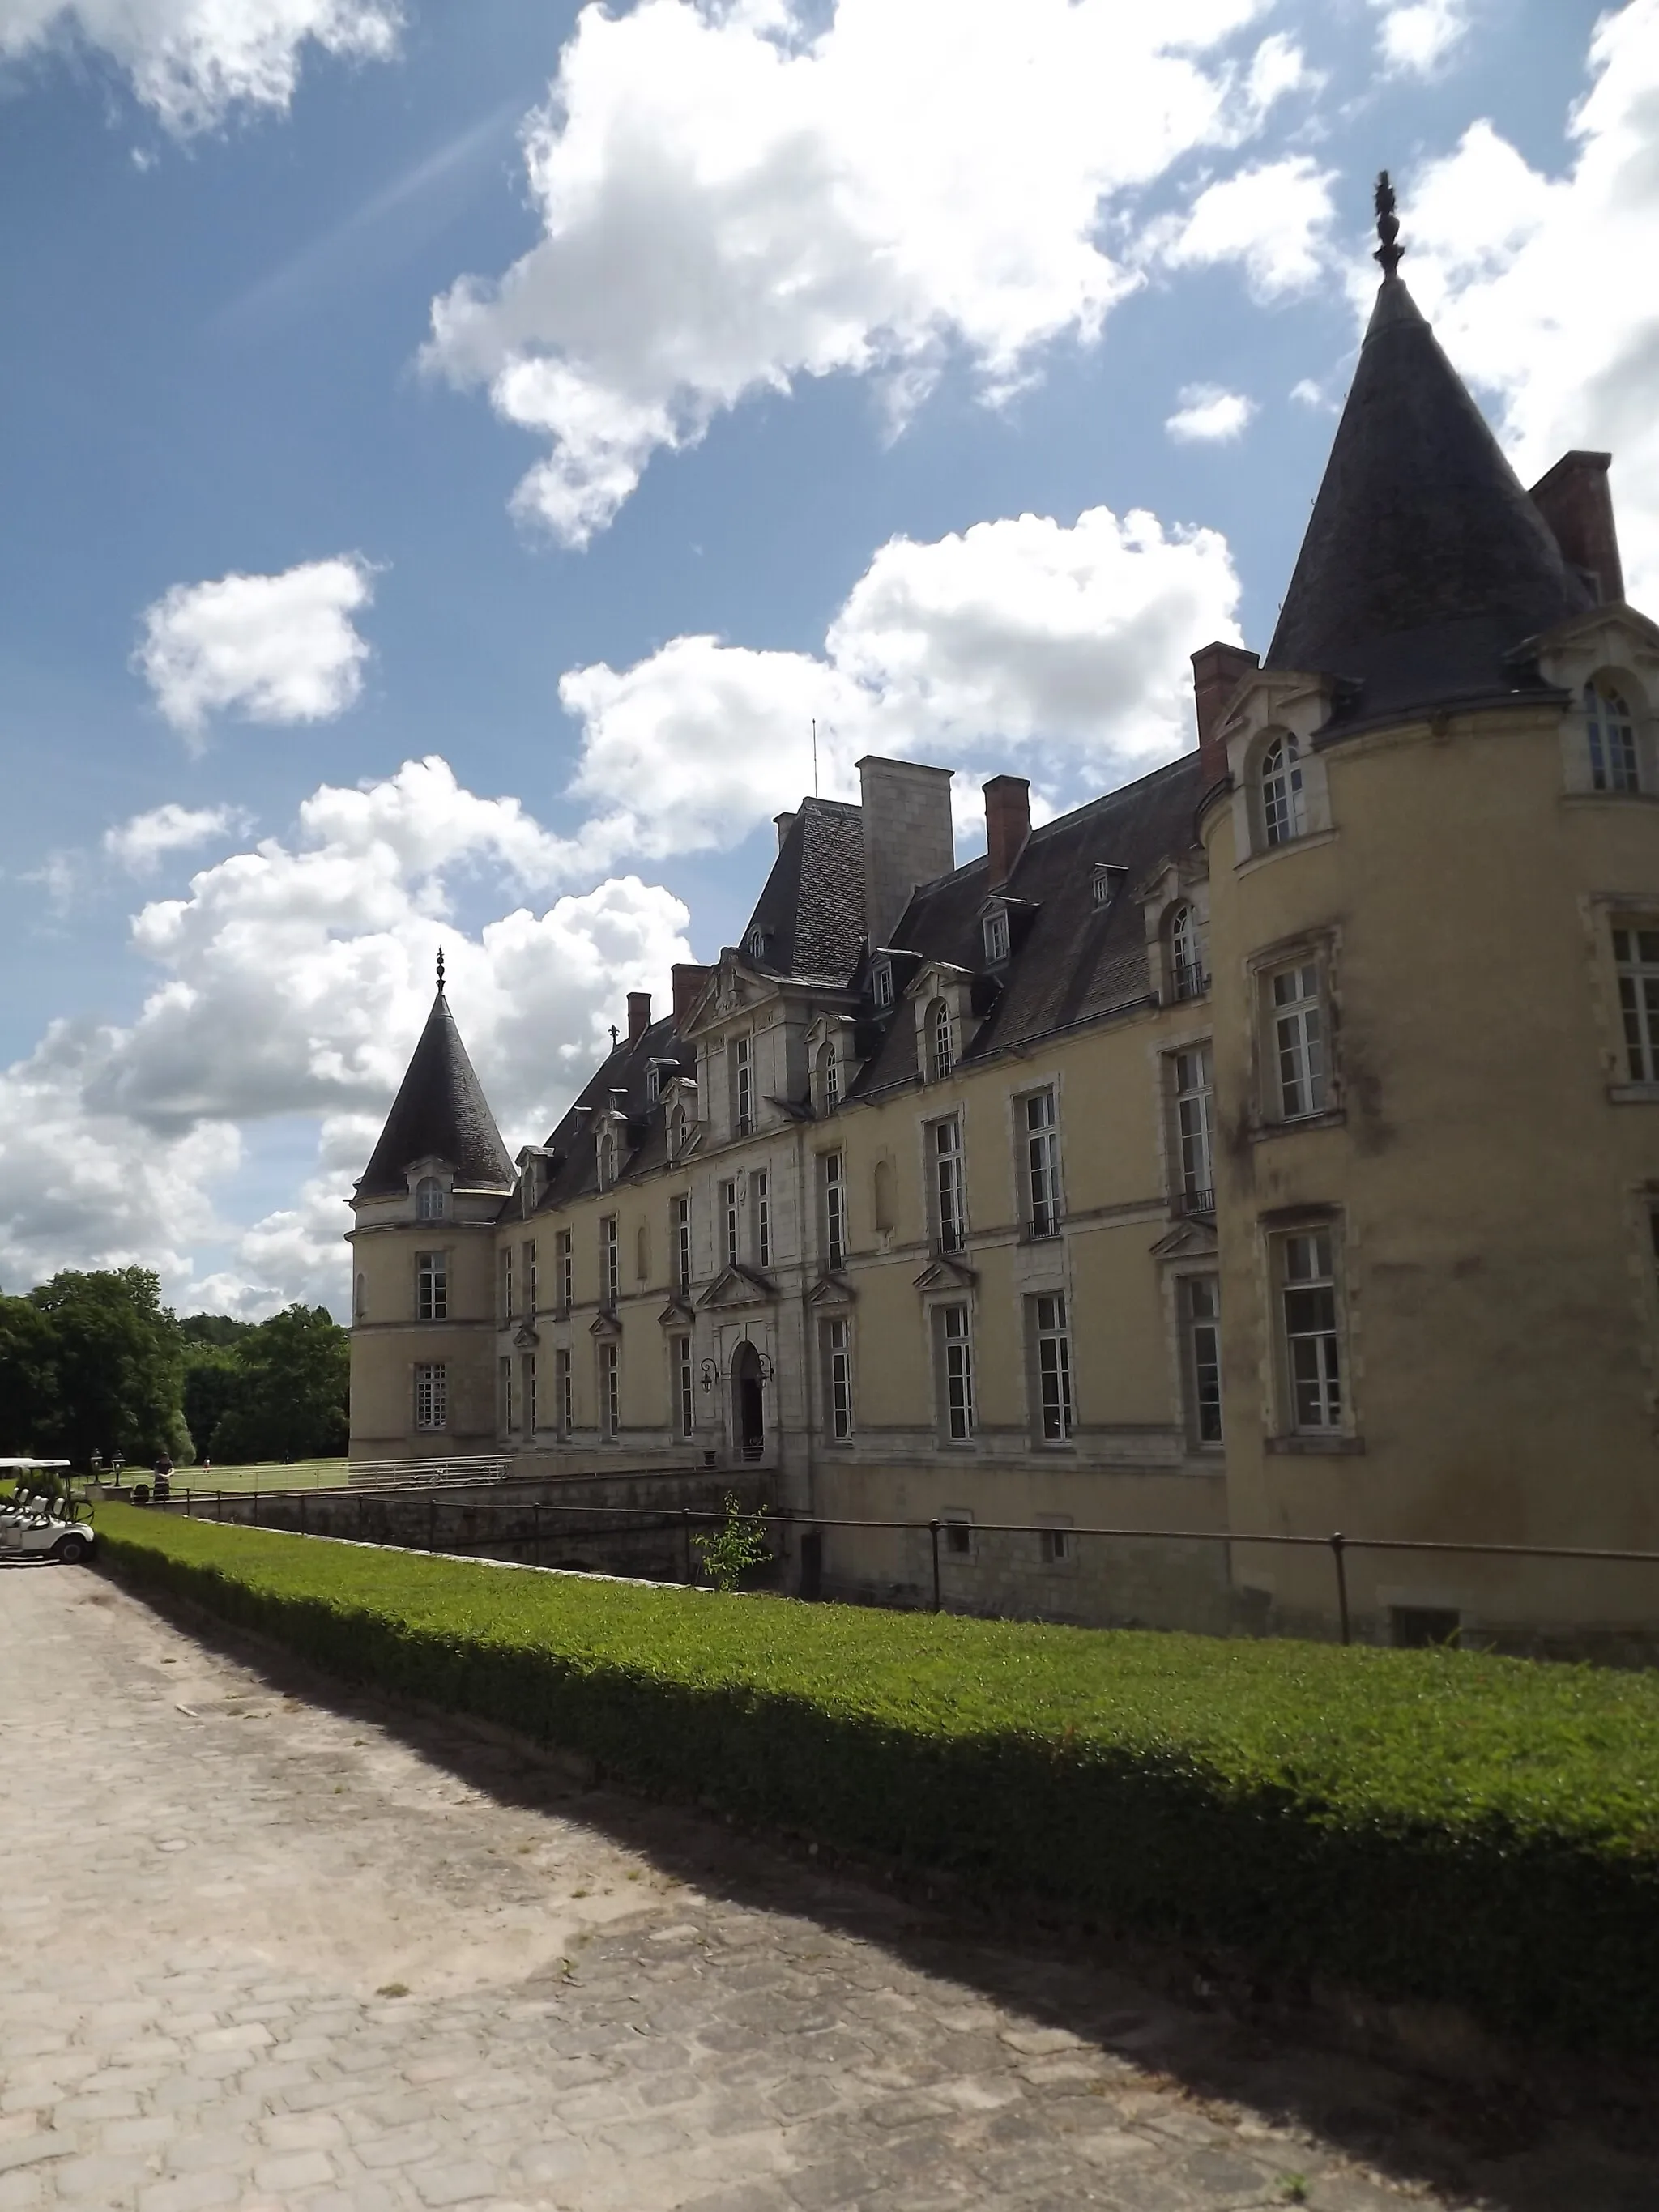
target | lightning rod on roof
[{"x": 815, "y": 755}]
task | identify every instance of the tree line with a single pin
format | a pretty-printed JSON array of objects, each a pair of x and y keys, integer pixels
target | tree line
[{"x": 95, "y": 1363}]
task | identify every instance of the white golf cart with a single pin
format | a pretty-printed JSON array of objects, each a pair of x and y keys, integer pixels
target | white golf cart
[{"x": 30, "y": 1529}]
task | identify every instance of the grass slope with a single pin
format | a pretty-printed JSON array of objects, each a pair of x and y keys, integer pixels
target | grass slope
[{"x": 1423, "y": 1825}]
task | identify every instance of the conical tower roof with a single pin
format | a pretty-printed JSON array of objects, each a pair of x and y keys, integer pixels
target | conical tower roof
[
  {"x": 1425, "y": 563},
  {"x": 439, "y": 1113}
]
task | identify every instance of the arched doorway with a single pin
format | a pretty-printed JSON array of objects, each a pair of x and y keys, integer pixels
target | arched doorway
[{"x": 748, "y": 1406}]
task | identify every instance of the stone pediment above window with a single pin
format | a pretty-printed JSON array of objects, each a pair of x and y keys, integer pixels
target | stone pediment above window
[
  {"x": 947, "y": 1275},
  {"x": 525, "y": 1337},
  {"x": 831, "y": 1290},
  {"x": 607, "y": 1327},
  {"x": 741, "y": 1287},
  {"x": 1188, "y": 1240},
  {"x": 676, "y": 1313}
]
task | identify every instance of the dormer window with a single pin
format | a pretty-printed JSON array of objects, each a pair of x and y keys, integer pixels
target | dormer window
[
  {"x": 1284, "y": 795},
  {"x": 1613, "y": 762},
  {"x": 677, "y": 1133},
  {"x": 995, "y": 930},
  {"x": 826, "y": 1078},
  {"x": 607, "y": 1159},
  {"x": 941, "y": 1048},
  {"x": 428, "y": 1199},
  {"x": 756, "y": 943},
  {"x": 652, "y": 1086},
  {"x": 1186, "y": 977},
  {"x": 1104, "y": 882},
  {"x": 881, "y": 983}
]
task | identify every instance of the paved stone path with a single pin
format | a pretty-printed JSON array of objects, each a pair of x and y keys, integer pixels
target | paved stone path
[{"x": 264, "y": 1946}]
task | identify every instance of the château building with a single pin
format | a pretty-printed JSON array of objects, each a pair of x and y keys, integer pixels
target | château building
[{"x": 1269, "y": 1146}]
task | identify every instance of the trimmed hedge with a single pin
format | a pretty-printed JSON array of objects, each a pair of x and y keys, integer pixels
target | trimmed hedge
[{"x": 1436, "y": 1826}]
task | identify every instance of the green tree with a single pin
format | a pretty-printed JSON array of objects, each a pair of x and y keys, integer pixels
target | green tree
[
  {"x": 214, "y": 1384},
  {"x": 291, "y": 1402},
  {"x": 28, "y": 1381},
  {"x": 118, "y": 1366}
]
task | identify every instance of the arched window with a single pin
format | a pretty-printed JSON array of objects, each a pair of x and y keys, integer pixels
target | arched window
[
  {"x": 677, "y": 1133},
  {"x": 428, "y": 1199},
  {"x": 827, "y": 1078},
  {"x": 1611, "y": 727},
  {"x": 941, "y": 1057},
  {"x": 1186, "y": 976},
  {"x": 607, "y": 1159},
  {"x": 1284, "y": 800}
]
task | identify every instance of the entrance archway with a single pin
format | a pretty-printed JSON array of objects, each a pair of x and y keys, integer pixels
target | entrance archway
[{"x": 748, "y": 1404}]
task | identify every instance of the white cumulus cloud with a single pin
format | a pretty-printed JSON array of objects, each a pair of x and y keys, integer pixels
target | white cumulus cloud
[
  {"x": 272, "y": 648},
  {"x": 730, "y": 201},
  {"x": 1415, "y": 36},
  {"x": 193, "y": 61},
  {"x": 1272, "y": 219},
  {"x": 1207, "y": 415},
  {"x": 1538, "y": 284},
  {"x": 1063, "y": 646},
  {"x": 140, "y": 844}
]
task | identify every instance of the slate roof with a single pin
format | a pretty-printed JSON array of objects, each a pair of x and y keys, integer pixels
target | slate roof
[
  {"x": 625, "y": 1069},
  {"x": 1072, "y": 960},
  {"x": 1425, "y": 563},
  {"x": 812, "y": 906},
  {"x": 439, "y": 1113}
]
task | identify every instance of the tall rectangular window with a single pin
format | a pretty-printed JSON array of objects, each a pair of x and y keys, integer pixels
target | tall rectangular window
[
  {"x": 527, "y": 1391},
  {"x": 1041, "y": 1164},
  {"x": 956, "y": 1365},
  {"x": 610, "y": 1391},
  {"x": 1201, "y": 1319},
  {"x": 431, "y": 1395},
  {"x": 1313, "y": 1356},
  {"x": 1298, "y": 1041},
  {"x": 835, "y": 1212},
  {"x": 610, "y": 1260},
  {"x": 680, "y": 1212},
  {"x": 530, "y": 1279},
  {"x": 760, "y": 1192},
  {"x": 684, "y": 1402},
  {"x": 504, "y": 1391},
  {"x": 743, "y": 1085},
  {"x": 1195, "y": 1106},
  {"x": 564, "y": 1260},
  {"x": 564, "y": 1396},
  {"x": 729, "y": 1222},
  {"x": 950, "y": 1196},
  {"x": 432, "y": 1285},
  {"x": 505, "y": 1265},
  {"x": 1635, "y": 952},
  {"x": 838, "y": 1379},
  {"x": 1052, "y": 1348}
]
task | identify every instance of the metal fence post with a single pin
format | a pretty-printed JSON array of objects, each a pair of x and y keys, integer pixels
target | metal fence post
[
  {"x": 1338, "y": 1542},
  {"x": 933, "y": 1531},
  {"x": 536, "y": 1532},
  {"x": 219, "y": 1504},
  {"x": 302, "y": 1513},
  {"x": 685, "y": 1529},
  {"x": 432, "y": 1524}
]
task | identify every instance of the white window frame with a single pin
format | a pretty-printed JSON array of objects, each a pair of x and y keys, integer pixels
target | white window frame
[
  {"x": 996, "y": 935},
  {"x": 1200, "y": 1347},
  {"x": 731, "y": 1224},
  {"x": 564, "y": 1259},
  {"x": 948, "y": 1182},
  {"x": 1282, "y": 787},
  {"x": 1635, "y": 966},
  {"x": 430, "y": 1198},
  {"x": 1056, "y": 1540},
  {"x": 760, "y": 1205},
  {"x": 1299, "y": 1037},
  {"x": 1051, "y": 1362},
  {"x": 504, "y": 1391},
  {"x": 1307, "y": 1309},
  {"x": 1045, "y": 1205},
  {"x": 531, "y": 1282},
  {"x": 1191, "y": 1087},
  {"x": 609, "y": 1262},
  {"x": 743, "y": 1085},
  {"x": 610, "y": 1390},
  {"x": 1187, "y": 978},
  {"x": 838, "y": 1379},
  {"x": 959, "y": 1420},
  {"x": 685, "y": 1403},
  {"x": 941, "y": 1042},
  {"x": 1613, "y": 748},
  {"x": 432, "y": 1285},
  {"x": 504, "y": 1271},
  {"x": 881, "y": 983},
  {"x": 527, "y": 1392},
  {"x": 832, "y": 1181},
  {"x": 431, "y": 1395},
  {"x": 564, "y": 1389},
  {"x": 680, "y": 1210}
]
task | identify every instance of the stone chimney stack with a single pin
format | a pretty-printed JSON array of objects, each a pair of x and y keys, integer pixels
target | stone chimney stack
[
  {"x": 907, "y": 836},
  {"x": 783, "y": 824},
  {"x": 1576, "y": 500},
  {"x": 639, "y": 1015},
  {"x": 1007, "y": 824},
  {"x": 689, "y": 982},
  {"x": 1218, "y": 671}
]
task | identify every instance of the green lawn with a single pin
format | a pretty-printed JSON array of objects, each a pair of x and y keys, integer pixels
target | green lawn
[{"x": 1435, "y": 1825}]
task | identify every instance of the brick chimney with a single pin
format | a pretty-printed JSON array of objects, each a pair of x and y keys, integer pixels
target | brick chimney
[
  {"x": 689, "y": 982},
  {"x": 1218, "y": 671},
  {"x": 906, "y": 808},
  {"x": 1007, "y": 824},
  {"x": 1575, "y": 499},
  {"x": 639, "y": 1015}
]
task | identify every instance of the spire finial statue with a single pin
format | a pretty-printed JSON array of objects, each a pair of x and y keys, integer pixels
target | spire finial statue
[
  {"x": 440, "y": 971},
  {"x": 1387, "y": 226}
]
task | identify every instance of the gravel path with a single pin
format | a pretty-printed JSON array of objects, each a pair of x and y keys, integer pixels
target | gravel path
[{"x": 261, "y": 1944}]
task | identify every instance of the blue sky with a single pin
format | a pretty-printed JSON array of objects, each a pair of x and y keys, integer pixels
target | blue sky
[{"x": 809, "y": 307}]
